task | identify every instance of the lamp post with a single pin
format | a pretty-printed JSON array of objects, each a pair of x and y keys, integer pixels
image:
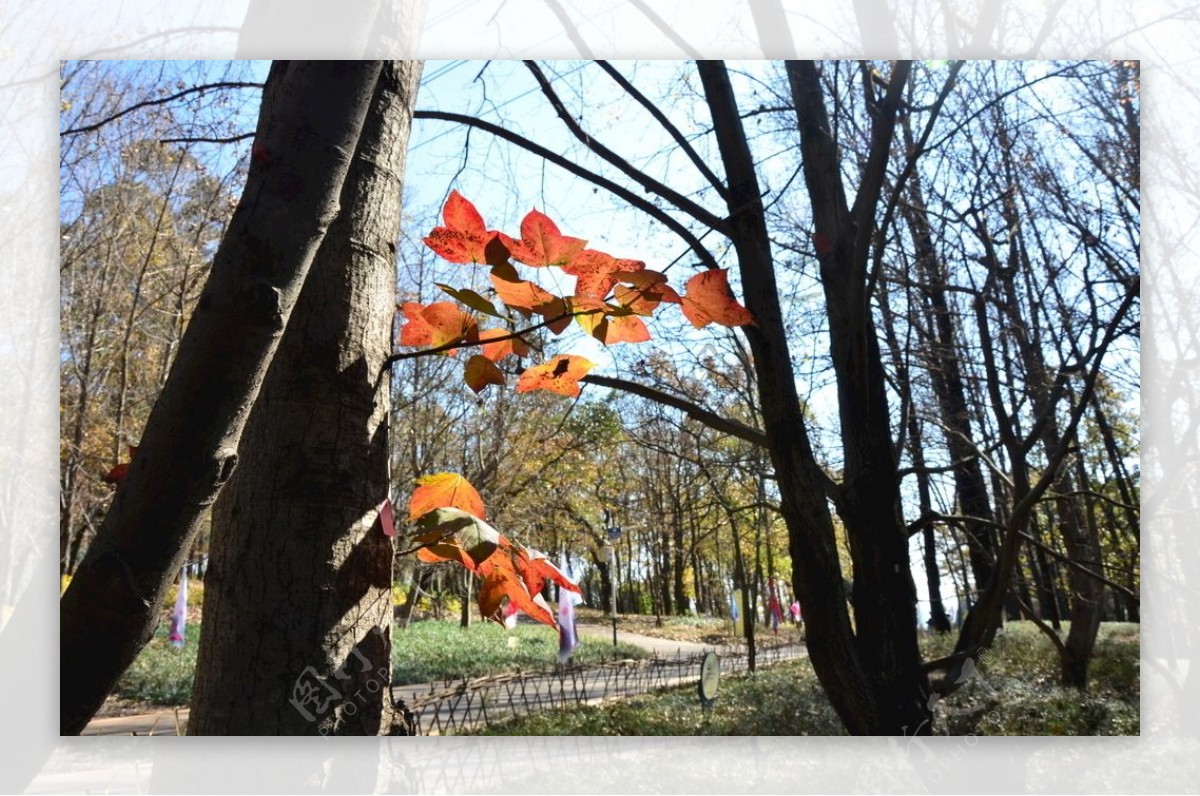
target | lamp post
[{"x": 608, "y": 554}]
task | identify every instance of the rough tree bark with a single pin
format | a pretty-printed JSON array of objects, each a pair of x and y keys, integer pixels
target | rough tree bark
[
  {"x": 298, "y": 606},
  {"x": 188, "y": 450}
]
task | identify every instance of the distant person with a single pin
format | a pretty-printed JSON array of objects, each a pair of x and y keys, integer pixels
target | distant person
[{"x": 794, "y": 610}]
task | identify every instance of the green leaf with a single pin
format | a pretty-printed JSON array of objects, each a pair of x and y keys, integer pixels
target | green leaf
[
  {"x": 472, "y": 300},
  {"x": 475, "y": 536}
]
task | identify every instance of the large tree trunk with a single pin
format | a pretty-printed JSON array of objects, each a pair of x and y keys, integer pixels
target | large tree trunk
[
  {"x": 189, "y": 448},
  {"x": 298, "y": 613}
]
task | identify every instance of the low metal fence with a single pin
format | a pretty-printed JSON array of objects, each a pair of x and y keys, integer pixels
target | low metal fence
[{"x": 469, "y": 704}]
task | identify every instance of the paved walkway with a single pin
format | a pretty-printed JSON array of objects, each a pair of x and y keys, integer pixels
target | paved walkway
[
  {"x": 173, "y": 721},
  {"x": 662, "y": 647}
]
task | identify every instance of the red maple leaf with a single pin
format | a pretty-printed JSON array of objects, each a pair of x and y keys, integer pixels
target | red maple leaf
[
  {"x": 822, "y": 243},
  {"x": 437, "y": 324},
  {"x": 500, "y": 580},
  {"x": 465, "y": 238},
  {"x": 535, "y": 569},
  {"x": 119, "y": 471},
  {"x": 642, "y": 291},
  {"x": 596, "y": 272},
  {"x": 498, "y": 349},
  {"x": 541, "y": 243},
  {"x": 708, "y": 299}
]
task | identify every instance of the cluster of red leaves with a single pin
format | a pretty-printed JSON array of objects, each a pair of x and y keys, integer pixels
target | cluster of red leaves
[
  {"x": 610, "y": 298},
  {"x": 450, "y": 517}
]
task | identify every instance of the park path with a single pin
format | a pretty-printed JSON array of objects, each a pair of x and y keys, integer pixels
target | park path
[
  {"x": 173, "y": 721},
  {"x": 658, "y": 646}
]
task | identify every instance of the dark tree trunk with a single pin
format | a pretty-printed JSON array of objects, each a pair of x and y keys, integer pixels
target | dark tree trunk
[
  {"x": 298, "y": 617},
  {"x": 874, "y": 681},
  {"x": 939, "y": 622},
  {"x": 678, "y": 561},
  {"x": 869, "y": 504},
  {"x": 189, "y": 448},
  {"x": 1044, "y": 579}
]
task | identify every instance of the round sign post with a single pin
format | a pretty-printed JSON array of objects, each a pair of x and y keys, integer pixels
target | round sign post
[{"x": 710, "y": 675}]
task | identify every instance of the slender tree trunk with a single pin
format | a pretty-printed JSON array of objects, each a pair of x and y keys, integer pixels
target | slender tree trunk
[
  {"x": 420, "y": 582},
  {"x": 1044, "y": 579},
  {"x": 678, "y": 555},
  {"x": 298, "y": 616},
  {"x": 939, "y": 622},
  {"x": 189, "y": 448},
  {"x": 947, "y": 377}
]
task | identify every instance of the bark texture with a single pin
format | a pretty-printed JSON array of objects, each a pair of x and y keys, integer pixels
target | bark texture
[
  {"x": 297, "y": 630},
  {"x": 188, "y": 451}
]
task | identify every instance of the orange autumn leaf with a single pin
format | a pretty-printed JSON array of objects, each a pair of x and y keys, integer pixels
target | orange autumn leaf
[
  {"x": 535, "y": 569},
  {"x": 416, "y": 330},
  {"x": 480, "y": 372},
  {"x": 527, "y": 296},
  {"x": 502, "y": 581},
  {"x": 613, "y": 329},
  {"x": 708, "y": 299},
  {"x": 449, "y": 323},
  {"x": 588, "y": 311},
  {"x": 541, "y": 243},
  {"x": 519, "y": 293},
  {"x": 446, "y": 551},
  {"x": 436, "y": 324},
  {"x": 465, "y": 238},
  {"x": 560, "y": 375},
  {"x": 444, "y": 490},
  {"x": 643, "y": 291},
  {"x": 625, "y": 329},
  {"x": 596, "y": 272},
  {"x": 497, "y": 349}
]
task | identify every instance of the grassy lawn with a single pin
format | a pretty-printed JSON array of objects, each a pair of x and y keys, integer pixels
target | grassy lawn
[
  {"x": 1015, "y": 693},
  {"x": 431, "y": 650},
  {"x": 427, "y": 651}
]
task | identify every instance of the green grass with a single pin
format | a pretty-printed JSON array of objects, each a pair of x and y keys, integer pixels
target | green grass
[
  {"x": 434, "y": 650},
  {"x": 162, "y": 674},
  {"x": 1017, "y": 689},
  {"x": 428, "y": 651},
  {"x": 1015, "y": 693},
  {"x": 782, "y": 700}
]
